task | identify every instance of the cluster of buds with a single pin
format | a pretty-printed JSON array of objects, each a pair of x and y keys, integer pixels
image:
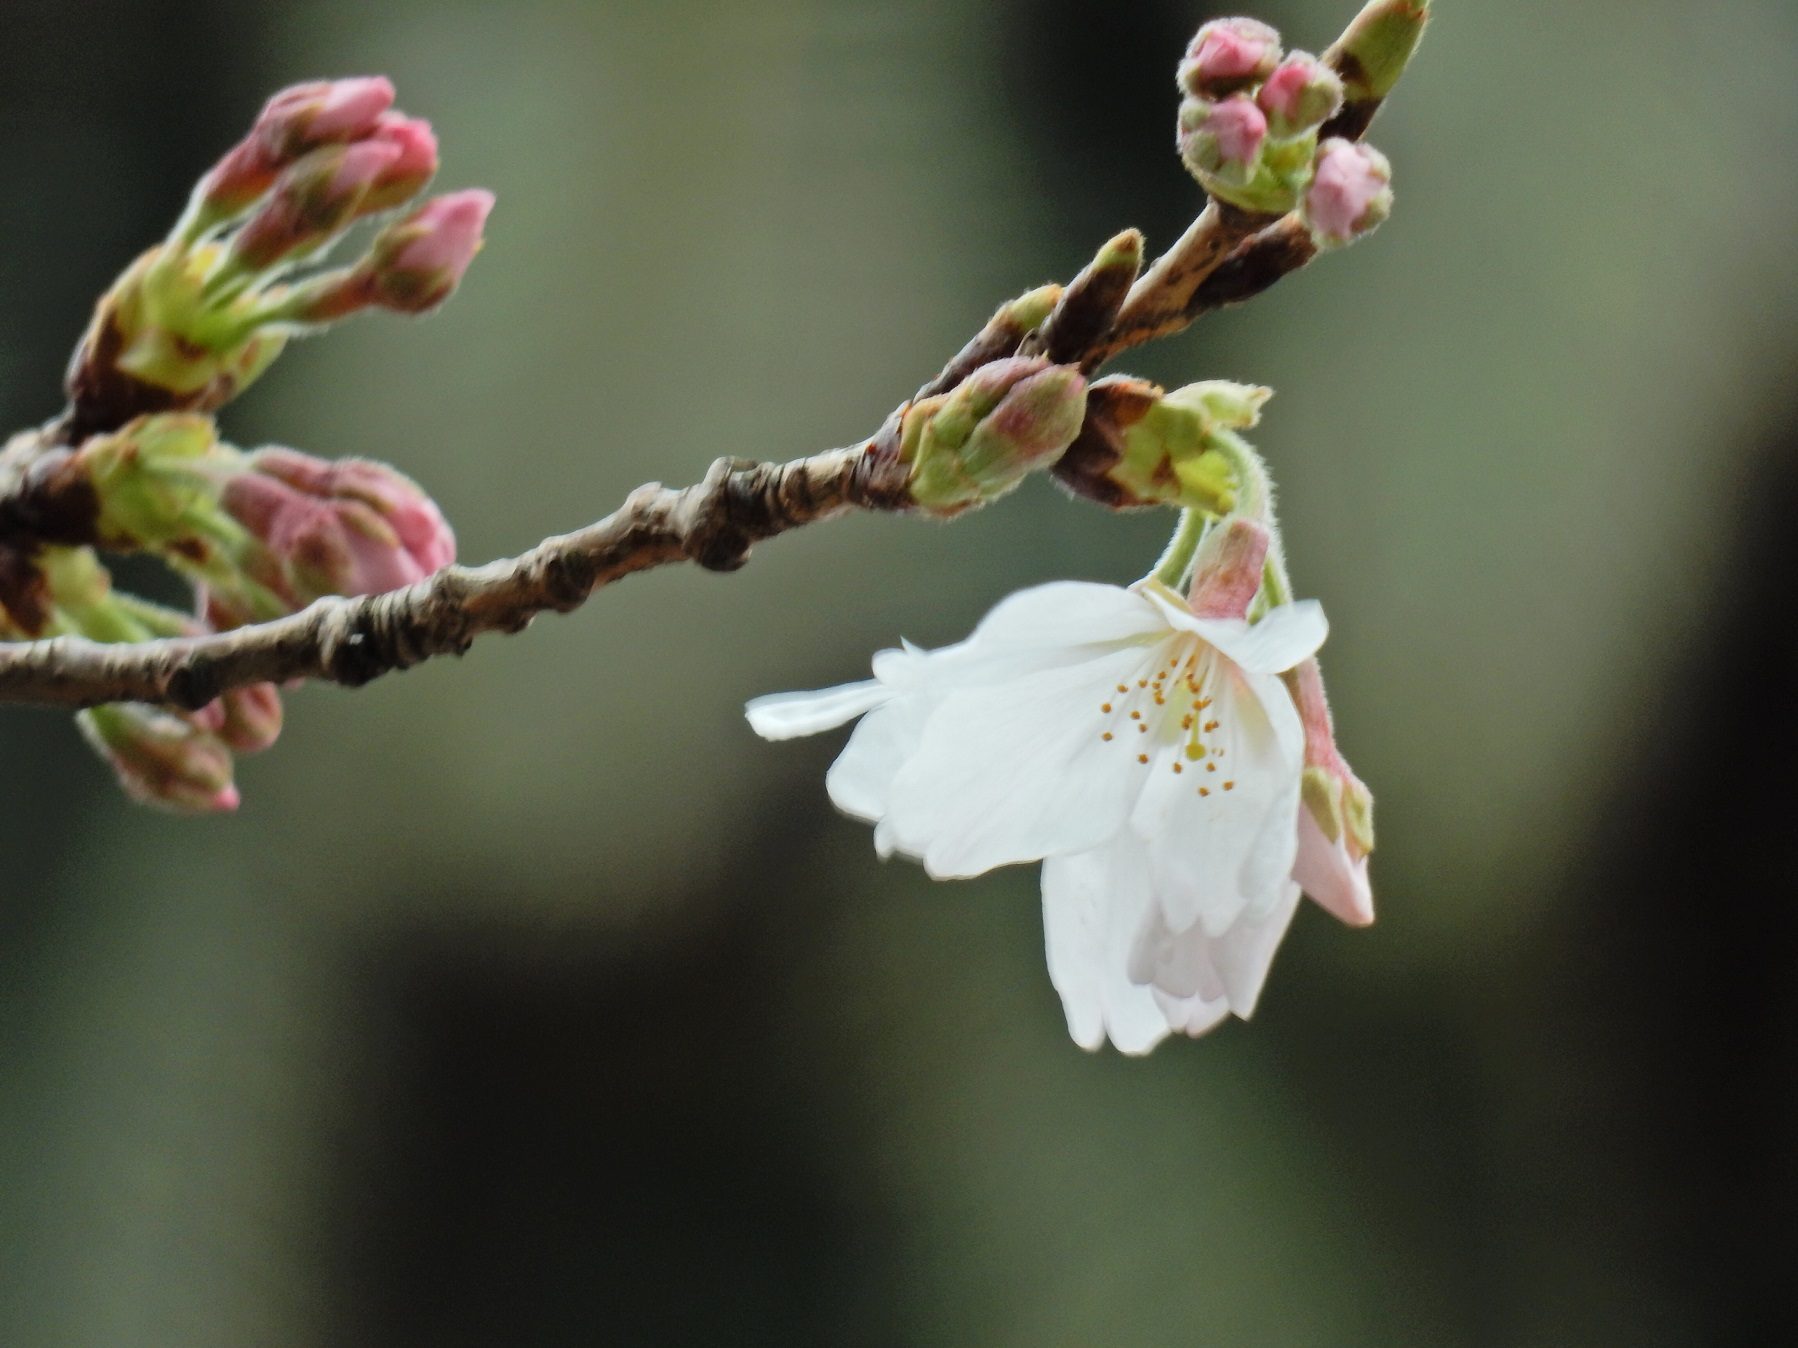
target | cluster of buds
[
  {"x": 136, "y": 464},
  {"x": 1143, "y": 446},
  {"x": 1251, "y": 118},
  {"x": 202, "y": 314},
  {"x": 316, "y": 527},
  {"x": 259, "y": 535},
  {"x": 264, "y": 533},
  {"x": 174, "y": 759}
]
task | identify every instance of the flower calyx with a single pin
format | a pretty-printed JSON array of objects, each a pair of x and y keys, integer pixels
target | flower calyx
[{"x": 1141, "y": 445}]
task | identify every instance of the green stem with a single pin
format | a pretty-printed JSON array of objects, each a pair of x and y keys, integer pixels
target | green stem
[
  {"x": 1176, "y": 561},
  {"x": 1255, "y": 500},
  {"x": 159, "y": 619}
]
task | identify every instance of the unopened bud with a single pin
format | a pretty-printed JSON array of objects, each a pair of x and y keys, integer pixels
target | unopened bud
[
  {"x": 1336, "y": 821},
  {"x": 1301, "y": 95},
  {"x": 1010, "y": 324},
  {"x": 968, "y": 446},
  {"x": 1226, "y": 146},
  {"x": 1091, "y": 302},
  {"x": 350, "y": 526},
  {"x": 1227, "y": 569},
  {"x": 162, "y": 758},
  {"x": 295, "y": 120},
  {"x": 1026, "y": 313},
  {"x": 1222, "y": 139},
  {"x": 1374, "y": 49},
  {"x": 325, "y": 112},
  {"x": 313, "y": 203},
  {"x": 413, "y": 166},
  {"x": 246, "y": 719},
  {"x": 416, "y": 263},
  {"x": 1143, "y": 446},
  {"x": 1350, "y": 192},
  {"x": 1227, "y": 55}
]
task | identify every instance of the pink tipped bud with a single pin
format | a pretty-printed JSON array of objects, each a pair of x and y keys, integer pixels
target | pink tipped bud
[
  {"x": 1301, "y": 94},
  {"x": 315, "y": 201},
  {"x": 1336, "y": 823},
  {"x": 326, "y": 112},
  {"x": 414, "y": 166},
  {"x": 1226, "y": 574},
  {"x": 162, "y": 758},
  {"x": 246, "y": 719},
  {"x": 346, "y": 527},
  {"x": 1228, "y": 55},
  {"x": 978, "y": 441},
  {"x": 417, "y": 262},
  {"x": 1221, "y": 138},
  {"x": 296, "y": 120},
  {"x": 1350, "y": 192}
]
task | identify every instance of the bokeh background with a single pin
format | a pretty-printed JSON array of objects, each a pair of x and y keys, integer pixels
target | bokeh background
[{"x": 529, "y": 999}]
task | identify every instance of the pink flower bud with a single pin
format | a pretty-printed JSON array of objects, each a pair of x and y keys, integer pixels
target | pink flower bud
[
  {"x": 417, "y": 262},
  {"x": 411, "y": 169},
  {"x": 1227, "y": 55},
  {"x": 314, "y": 202},
  {"x": 346, "y": 527},
  {"x": 1350, "y": 192},
  {"x": 1226, "y": 574},
  {"x": 1220, "y": 136},
  {"x": 247, "y": 719},
  {"x": 162, "y": 758},
  {"x": 1303, "y": 93},
  {"x": 305, "y": 116},
  {"x": 295, "y": 120},
  {"x": 1336, "y": 822}
]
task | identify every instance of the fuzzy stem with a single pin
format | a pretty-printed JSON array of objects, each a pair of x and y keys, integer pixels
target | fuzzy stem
[{"x": 1176, "y": 561}]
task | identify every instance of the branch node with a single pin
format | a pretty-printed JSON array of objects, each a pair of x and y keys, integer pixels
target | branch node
[{"x": 193, "y": 684}]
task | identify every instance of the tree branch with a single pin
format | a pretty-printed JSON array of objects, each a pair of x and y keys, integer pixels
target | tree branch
[{"x": 351, "y": 641}]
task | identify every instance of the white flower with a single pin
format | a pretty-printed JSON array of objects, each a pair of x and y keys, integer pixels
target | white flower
[{"x": 1151, "y": 756}]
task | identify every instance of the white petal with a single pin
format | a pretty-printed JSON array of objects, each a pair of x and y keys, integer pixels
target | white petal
[
  {"x": 1192, "y": 1016},
  {"x": 861, "y": 779},
  {"x": 1048, "y": 627},
  {"x": 1092, "y": 904},
  {"x": 901, "y": 669},
  {"x": 1069, "y": 613},
  {"x": 1178, "y": 964},
  {"x": 785, "y": 716},
  {"x": 1219, "y": 850},
  {"x": 1243, "y": 955},
  {"x": 1286, "y": 636},
  {"x": 1195, "y": 971},
  {"x": 1325, "y": 871},
  {"x": 1282, "y": 716},
  {"x": 1017, "y": 770},
  {"x": 1073, "y": 948}
]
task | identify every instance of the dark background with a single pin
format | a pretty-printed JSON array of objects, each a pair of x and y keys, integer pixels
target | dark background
[{"x": 529, "y": 999}]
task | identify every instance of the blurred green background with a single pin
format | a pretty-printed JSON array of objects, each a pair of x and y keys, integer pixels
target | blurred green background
[{"x": 530, "y": 999}]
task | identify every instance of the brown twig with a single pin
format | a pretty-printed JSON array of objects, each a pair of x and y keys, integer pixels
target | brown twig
[
  {"x": 1161, "y": 302},
  {"x": 351, "y": 641}
]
